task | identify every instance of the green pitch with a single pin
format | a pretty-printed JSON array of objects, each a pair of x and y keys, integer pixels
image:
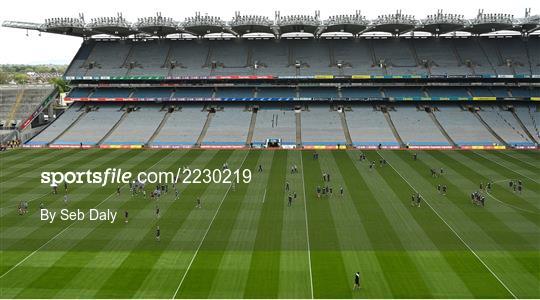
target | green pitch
[{"x": 247, "y": 242}]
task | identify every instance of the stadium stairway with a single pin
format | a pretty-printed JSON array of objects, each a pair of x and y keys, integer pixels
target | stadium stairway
[
  {"x": 69, "y": 127},
  {"x": 441, "y": 128},
  {"x": 345, "y": 127},
  {"x": 298, "y": 129},
  {"x": 486, "y": 56},
  {"x": 392, "y": 126},
  {"x": 249, "y": 138},
  {"x": 531, "y": 137},
  {"x": 158, "y": 129},
  {"x": 204, "y": 129},
  {"x": 104, "y": 138},
  {"x": 498, "y": 137}
]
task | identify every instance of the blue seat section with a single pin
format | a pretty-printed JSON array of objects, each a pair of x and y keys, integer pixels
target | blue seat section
[
  {"x": 535, "y": 92},
  {"x": 79, "y": 93},
  {"x": 318, "y": 92},
  {"x": 276, "y": 93},
  {"x": 404, "y": 92},
  {"x": 162, "y": 93},
  {"x": 521, "y": 92},
  {"x": 481, "y": 92},
  {"x": 234, "y": 93},
  {"x": 111, "y": 93},
  {"x": 193, "y": 93},
  {"x": 500, "y": 91},
  {"x": 447, "y": 92},
  {"x": 361, "y": 92}
]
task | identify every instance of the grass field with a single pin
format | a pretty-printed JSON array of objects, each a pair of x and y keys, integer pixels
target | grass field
[{"x": 247, "y": 242}]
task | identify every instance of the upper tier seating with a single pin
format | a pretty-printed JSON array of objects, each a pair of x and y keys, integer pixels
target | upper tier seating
[{"x": 383, "y": 56}]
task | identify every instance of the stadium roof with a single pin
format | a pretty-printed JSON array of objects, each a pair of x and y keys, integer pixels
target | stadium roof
[{"x": 201, "y": 25}]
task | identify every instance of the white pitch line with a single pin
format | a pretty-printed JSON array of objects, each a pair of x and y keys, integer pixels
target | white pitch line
[
  {"x": 307, "y": 226},
  {"x": 204, "y": 236},
  {"x": 66, "y": 228},
  {"x": 510, "y": 205},
  {"x": 504, "y": 166},
  {"x": 525, "y": 162},
  {"x": 454, "y": 231},
  {"x": 264, "y": 196}
]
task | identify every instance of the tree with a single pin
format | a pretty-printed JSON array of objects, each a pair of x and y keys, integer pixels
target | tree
[
  {"x": 60, "y": 84},
  {"x": 4, "y": 77},
  {"x": 21, "y": 78}
]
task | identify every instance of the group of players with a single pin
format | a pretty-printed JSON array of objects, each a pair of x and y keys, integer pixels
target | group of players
[{"x": 516, "y": 185}]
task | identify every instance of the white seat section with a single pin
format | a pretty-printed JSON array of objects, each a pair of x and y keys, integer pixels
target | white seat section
[
  {"x": 229, "y": 126},
  {"x": 416, "y": 127},
  {"x": 463, "y": 127},
  {"x": 529, "y": 116},
  {"x": 369, "y": 127},
  {"x": 275, "y": 122},
  {"x": 58, "y": 126},
  {"x": 321, "y": 126},
  {"x": 182, "y": 127},
  {"x": 137, "y": 127},
  {"x": 92, "y": 127},
  {"x": 505, "y": 125}
]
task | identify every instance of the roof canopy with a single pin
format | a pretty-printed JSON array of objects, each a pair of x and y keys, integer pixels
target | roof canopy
[{"x": 201, "y": 25}]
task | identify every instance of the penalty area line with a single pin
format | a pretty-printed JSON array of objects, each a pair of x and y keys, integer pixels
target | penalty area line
[{"x": 452, "y": 229}]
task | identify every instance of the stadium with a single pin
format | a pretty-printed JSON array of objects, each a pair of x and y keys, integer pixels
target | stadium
[{"x": 394, "y": 157}]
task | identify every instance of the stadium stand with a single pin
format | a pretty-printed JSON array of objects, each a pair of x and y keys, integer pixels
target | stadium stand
[
  {"x": 463, "y": 127},
  {"x": 416, "y": 127},
  {"x": 147, "y": 58},
  {"x": 182, "y": 128},
  {"x": 233, "y": 92},
  {"x": 321, "y": 126},
  {"x": 366, "y": 92},
  {"x": 92, "y": 127},
  {"x": 529, "y": 116},
  {"x": 59, "y": 126},
  {"x": 505, "y": 125},
  {"x": 187, "y": 60},
  {"x": 137, "y": 127},
  {"x": 380, "y": 56},
  {"x": 228, "y": 126},
  {"x": 80, "y": 93},
  {"x": 111, "y": 93},
  {"x": 193, "y": 92},
  {"x": 153, "y": 93},
  {"x": 106, "y": 59},
  {"x": 318, "y": 92},
  {"x": 275, "y": 121},
  {"x": 18, "y": 102},
  {"x": 307, "y": 89},
  {"x": 368, "y": 127},
  {"x": 274, "y": 92},
  {"x": 407, "y": 92}
]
